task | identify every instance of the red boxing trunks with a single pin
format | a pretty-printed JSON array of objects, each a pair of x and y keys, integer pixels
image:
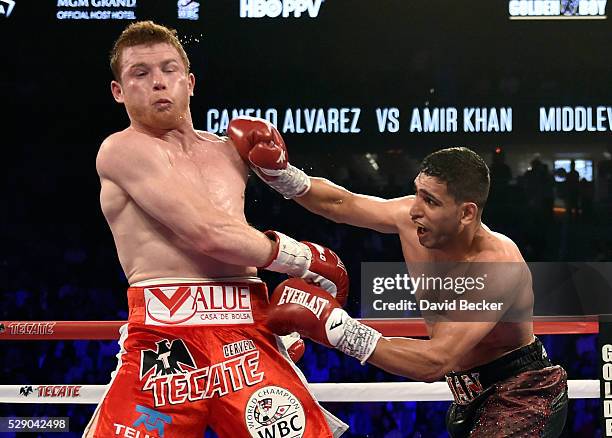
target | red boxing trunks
[
  {"x": 518, "y": 395},
  {"x": 196, "y": 354}
]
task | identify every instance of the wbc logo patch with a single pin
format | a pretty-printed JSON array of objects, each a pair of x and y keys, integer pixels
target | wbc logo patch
[{"x": 273, "y": 411}]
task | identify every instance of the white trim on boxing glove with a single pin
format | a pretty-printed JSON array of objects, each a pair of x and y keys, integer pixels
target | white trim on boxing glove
[
  {"x": 350, "y": 336},
  {"x": 290, "y": 182},
  {"x": 322, "y": 282},
  {"x": 292, "y": 257},
  {"x": 290, "y": 339}
]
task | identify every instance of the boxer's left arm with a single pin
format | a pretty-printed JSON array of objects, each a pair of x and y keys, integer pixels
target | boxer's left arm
[
  {"x": 340, "y": 205},
  {"x": 423, "y": 360},
  {"x": 428, "y": 360},
  {"x": 310, "y": 311},
  {"x": 260, "y": 144},
  {"x": 454, "y": 336}
]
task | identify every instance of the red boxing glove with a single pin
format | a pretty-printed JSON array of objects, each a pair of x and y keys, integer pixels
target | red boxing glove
[
  {"x": 307, "y": 309},
  {"x": 294, "y": 345},
  {"x": 310, "y": 261},
  {"x": 297, "y": 306},
  {"x": 327, "y": 271},
  {"x": 260, "y": 144}
]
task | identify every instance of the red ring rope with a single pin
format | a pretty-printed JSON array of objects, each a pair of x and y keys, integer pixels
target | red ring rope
[{"x": 108, "y": 330}]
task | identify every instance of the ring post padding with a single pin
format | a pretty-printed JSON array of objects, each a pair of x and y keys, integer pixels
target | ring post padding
[{"x": 605, "y": 348}]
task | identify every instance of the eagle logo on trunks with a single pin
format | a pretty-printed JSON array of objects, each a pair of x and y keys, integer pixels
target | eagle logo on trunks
[
  {"x": 274, "y": 411},
  {"x": 25, "y": 390},
  {"x": 151, "y": 420},
  {"x": 464, "y": 386},
  {"x": 170, "y": 372},
  {"x": 170, "y": 358},
  {"x": 212, "y": 304}
]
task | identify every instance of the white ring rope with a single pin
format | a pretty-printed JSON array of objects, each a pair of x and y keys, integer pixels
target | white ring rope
[{"x": 324, "y": 392}]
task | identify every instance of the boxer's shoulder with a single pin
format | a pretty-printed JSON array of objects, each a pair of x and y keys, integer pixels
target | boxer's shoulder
[
  {"x": 225, "y": 145},
  {"x": 496, "y": 247},
  {"x": 112, "y": 140},
  {"x": 401, "y": 212},
  {"x": 106, "y": 154},
  {"x": 404, "y": 204},
  {"x": 210, "y": 137},
  {"x": 127, "y": 134},
  {"x": 223, "y": 142},
  {"x": 126, "y": 139},
  {"x": 124, "y": 148}
]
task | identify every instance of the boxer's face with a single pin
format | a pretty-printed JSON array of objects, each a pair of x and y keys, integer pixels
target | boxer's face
[
  {"x": 436, "y": 213},
  {"x": 155, "y": 86}
]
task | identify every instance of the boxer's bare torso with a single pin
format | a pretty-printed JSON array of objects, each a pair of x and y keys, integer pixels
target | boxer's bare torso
[
  {"x": 428, "y": 230},
  {"x": 487, "y": 246},
  {"x": 146, "y": 248}
]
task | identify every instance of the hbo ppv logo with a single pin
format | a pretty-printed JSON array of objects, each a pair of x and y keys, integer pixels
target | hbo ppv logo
[{"x": 279, "y": 8}]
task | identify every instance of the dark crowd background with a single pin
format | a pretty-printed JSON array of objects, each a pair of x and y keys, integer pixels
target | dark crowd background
[
  {"x": 77, "y": 276},
  {"x": 57, "y": 258}
]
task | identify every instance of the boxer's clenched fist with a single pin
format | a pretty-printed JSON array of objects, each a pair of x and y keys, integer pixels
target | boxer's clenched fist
[
  {"x": 310, "y": 261},
  {"x": 309, "y": 310},
  {"x": 260, "y": 144}
]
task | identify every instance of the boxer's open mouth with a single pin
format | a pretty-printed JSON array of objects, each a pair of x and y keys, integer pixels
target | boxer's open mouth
[{"x": 421, "y": 230}]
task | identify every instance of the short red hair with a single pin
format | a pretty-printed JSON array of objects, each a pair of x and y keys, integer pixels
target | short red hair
[{"x": 144, "y": 33}]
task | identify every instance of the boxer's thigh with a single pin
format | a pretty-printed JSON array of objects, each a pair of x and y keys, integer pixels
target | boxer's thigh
[
  {"x": 532, "y": 404},
  {"x": 272, "y": 399},
  {"x": 139, "y": 399}
]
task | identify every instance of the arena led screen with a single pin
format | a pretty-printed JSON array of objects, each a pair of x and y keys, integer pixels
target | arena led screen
[{"x": 406, "y": 73}]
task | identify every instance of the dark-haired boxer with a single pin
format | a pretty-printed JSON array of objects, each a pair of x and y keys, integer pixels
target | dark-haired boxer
[
  {"x": 502, "y": 381},
  {"x": 195, "y": 351}
]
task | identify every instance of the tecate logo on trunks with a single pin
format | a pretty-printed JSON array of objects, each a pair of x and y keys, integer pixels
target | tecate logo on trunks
[
  {"x": 216, "y": 380},
  {"x": 198, "y": 305}
]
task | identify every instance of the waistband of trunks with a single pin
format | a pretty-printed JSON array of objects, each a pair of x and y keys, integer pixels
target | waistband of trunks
[
  {"x": 530, "y": 357},
  {"x": 197, "y": 301},
  {"x": 193, "y": 280}
]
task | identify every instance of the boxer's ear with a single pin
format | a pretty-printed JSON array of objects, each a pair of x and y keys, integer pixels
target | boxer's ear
[
  {"x": 469, "y": 213},
  {"x": 117, "y": 91},
  {"x": 191, "y": 84}
]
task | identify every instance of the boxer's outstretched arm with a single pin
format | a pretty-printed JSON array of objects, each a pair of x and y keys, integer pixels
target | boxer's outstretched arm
[
  {"x": 260, "y": 144},
  {"x": 143, "y": 170},
  {"x": 428, "y": 360},
  {"x": 343, "y": 206},
  {"x": 508, "y": 283},
  {"x": 424, "y": 360},
  {"x": 452, "y": 339}
]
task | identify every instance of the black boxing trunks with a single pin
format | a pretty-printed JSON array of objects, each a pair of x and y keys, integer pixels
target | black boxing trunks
[{"x": 520, "y": 394}]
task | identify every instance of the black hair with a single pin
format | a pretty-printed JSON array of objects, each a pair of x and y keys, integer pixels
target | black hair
[{"x": 465, "y": 173}]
